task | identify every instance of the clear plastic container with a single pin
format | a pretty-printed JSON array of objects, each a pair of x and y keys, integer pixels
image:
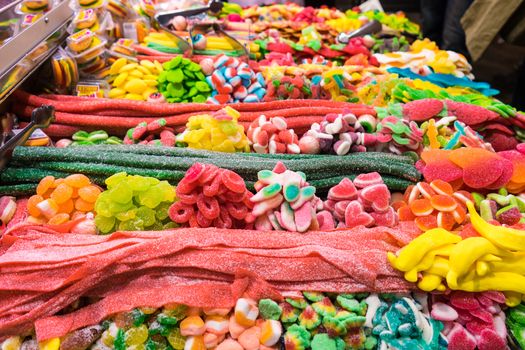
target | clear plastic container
[
  {"x": 81, "y": 41},
  {"x": 65, "y": 70},
  {"x": 88, "y": 4},
  {"x": 92, "y": 88},
  {"x": 29, "y": 19},
  {"x": 118, "y": 8},
  {"x": 123, "y": 48},
  {"x": 97, "y": 49},
  {"x": 34, "y": 6}
]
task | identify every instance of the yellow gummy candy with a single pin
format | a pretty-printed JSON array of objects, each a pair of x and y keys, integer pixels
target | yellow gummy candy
[{"x": 50, "y": 344}]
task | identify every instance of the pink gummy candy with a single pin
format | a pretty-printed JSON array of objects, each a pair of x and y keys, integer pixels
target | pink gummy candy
[
  {"x": 388, "y": 218},
  {"x": 443, "y": 312},
  {"x": 421, "y": 110},
  {"x": 365, "y": 180},
  {"x": 326, "y": 220},
  {"x": 460, "y": 339},
  {"x": 345, "y": 190},
  {"x": 303, "y": 217},
  {"x": 490, "y": 340},
  {"x": 355, "y": 216},
  {"x": 464, "y": 300},
  {"x": 378, "y": 195}
]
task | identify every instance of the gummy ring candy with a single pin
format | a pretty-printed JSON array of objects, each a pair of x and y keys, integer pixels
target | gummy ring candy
[
  {"x": 188, "y": 198},
  {"x": 194, "y": 172},
  {"x": 180, "y": 212},
  {"x": 225, "y": 216},
  {"x": 209, "y": 174},
  {"x": 212, "y": 189},
  {"x": 193, "y": 221},
  {"x": 208, "y": 206},
  {"x": 237, "y": 210},
  {"x": 185, "y": 187},
  {"x": 233, "y": 181},
  {"x": 202, "y": 221},
  {"x": 234, "y": 197}
]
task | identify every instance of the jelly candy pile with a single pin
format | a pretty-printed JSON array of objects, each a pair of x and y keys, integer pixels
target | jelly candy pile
[
  {"x": 58, "y": 201},
  {"x": 218, "y": 132},
  {"x": 134, "y": 203},
  {"x": 209, "y": 196}
]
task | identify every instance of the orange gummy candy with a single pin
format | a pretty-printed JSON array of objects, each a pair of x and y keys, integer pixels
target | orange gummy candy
[
  {"x": 75, "y": 193},
  {"x": 459, "y": 214},
  {"x": 443, "y": 202},
  {"x": 446, "y": 220},
  {"x": 59, "y": 219},
  {"x": 421, "y": 207},
  {"x": 31, "y": 205},
  {"x": 89, "y": 193},
  {"x": 62, "y": 193},
  {"x": 67, "y": 207},
  {"x": 45, "y": 184},
  {"x": 77, "y": 180},
  {"x": 425, "y": 190},
  {"x": 405, "y": 214},
  {"x": 48, "y": 207},
  {"x": 82, "y": 205},
  {"x": 441, "y": 187},
  {"x": 425, "y": 223}
]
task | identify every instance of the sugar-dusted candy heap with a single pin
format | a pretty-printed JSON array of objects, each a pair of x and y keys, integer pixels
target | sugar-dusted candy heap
[
  {"x": 153, "y": 133},
  {"x": 134, "y": 203},
  {"x": 398, "y": 135},
  {"x": 209, "y": 196},
  {"x": 340, "y": 134},
  {"x": 285, "y": 201},
  {"x": 84, "y": 138},
  {"x": 471, "y": 319},
  {"x": 235, "y": 81},
  {"x": 475, "y": 168},
  {"x": 434, "y": 204},
  {"x": 58, "y": 201},
  {"x": 287, "y": 87},
  {"x": 403, "y": 322},
  {"x": 183, "y": 81},
  {"x": 219, "y": 132},
  {"x": 326, "y": 321},
  {"x": 365, "y": 201},
  {"x": 272, "y": 136}
]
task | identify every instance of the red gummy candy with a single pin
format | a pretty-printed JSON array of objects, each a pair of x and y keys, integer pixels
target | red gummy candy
[
  {"x": 233, "y": 181},
  {"x": 212, "y": 189},
  {"x": 378, "y": 195},
  {"x": 180, "y": 212},
  {"x": 470, "y": 114},
  {"x": 188, "y": 198},
  {"x": 460, "y": 339},
  {"x": 185, "y": 187},
  {"x": 230, "y": 196},
  {"x": 365, "y": 180},
  {"x": 208, "y": 206},
  {"x": 421, "y": 110},
  {"x": 476, "y": 326},
  {"x": 344, "y": 190},
  {"x": 388, "y": 218},
  {"x": 355, "y": 216},
  {"x": 210, "y": 171},
  {"x": 483, "y": 315},
  {"x": 438, "y": 166},
  {"x": 464, "y": 300},
  {"x": 340, "y": 207},
  {"x": 237, "y": 210},
  {"x": 194, "y": 173},
  {"x": 498, "y": 297},
  {"x": 202, "y": 220},
  {"x": 490, "y": 340}
]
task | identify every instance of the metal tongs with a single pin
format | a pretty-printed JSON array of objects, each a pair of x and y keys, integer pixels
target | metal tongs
[
  {"x": 165, "y": 18},
  {"x": 41, "y": 117},
  {"x": 371, "y": 27}
]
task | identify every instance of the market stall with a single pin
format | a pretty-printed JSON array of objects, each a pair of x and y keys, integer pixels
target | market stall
[{"x": 273, "y": 177}]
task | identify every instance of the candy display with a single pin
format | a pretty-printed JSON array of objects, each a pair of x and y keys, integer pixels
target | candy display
[{"x": 258, "y": 178}]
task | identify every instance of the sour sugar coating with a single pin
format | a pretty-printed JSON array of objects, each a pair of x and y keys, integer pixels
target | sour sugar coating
[
  {"x": 340, "y": 134},
  {"x": 272, "y": 136},
  {"x": 235, "y": 81},
  {"x": 285, "y": 201},
  {"x": 209, "y": 196},
  {"x": 219, "y": 132},
  {"x": 364, "y": 201}
]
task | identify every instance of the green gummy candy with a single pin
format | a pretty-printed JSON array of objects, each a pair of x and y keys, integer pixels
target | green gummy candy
[
  {"x": 202, "y": 86},
  {"x": 193, "y": 91},
  {"x": 312, "y": 296},
  {"x": 163, "y": 76},
  {"x": 323, "y": 341},
  {"x": 199, "y": 99},
  {"x": 199, "y": 75},
  {"x": 126, "y": 215},
  {"x": 80, "y": 135},
  {"x": 175, "y": 76},
  {"x": 269, "y": 309},
  {"x": 147, "y": 215},
  {"x": 291, "y": 192},
  {"x": 194, "y": 67},
  {"x": 501, "y": 200},
  {"x": 300, "y": 334},
  {"x": 121, "y": 193},
  {"x": 349, "y": 304},
  {"x": 104, "y": 224},
  {"x": 485, "y": 211},
  {"x": 299, "y": 303},
  {"x": 189, "y": 74},
  {"x": 478, "y": 197},
  {"x": 370, "y": 343}
]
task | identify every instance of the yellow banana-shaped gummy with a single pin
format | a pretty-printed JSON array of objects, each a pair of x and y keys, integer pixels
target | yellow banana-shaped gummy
[
  {"x": 501, "y": 236},
  {"x": 465, "y": 254},
  {"x": 411, "y": 255},
  {"x": 503, "y": 281}
]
